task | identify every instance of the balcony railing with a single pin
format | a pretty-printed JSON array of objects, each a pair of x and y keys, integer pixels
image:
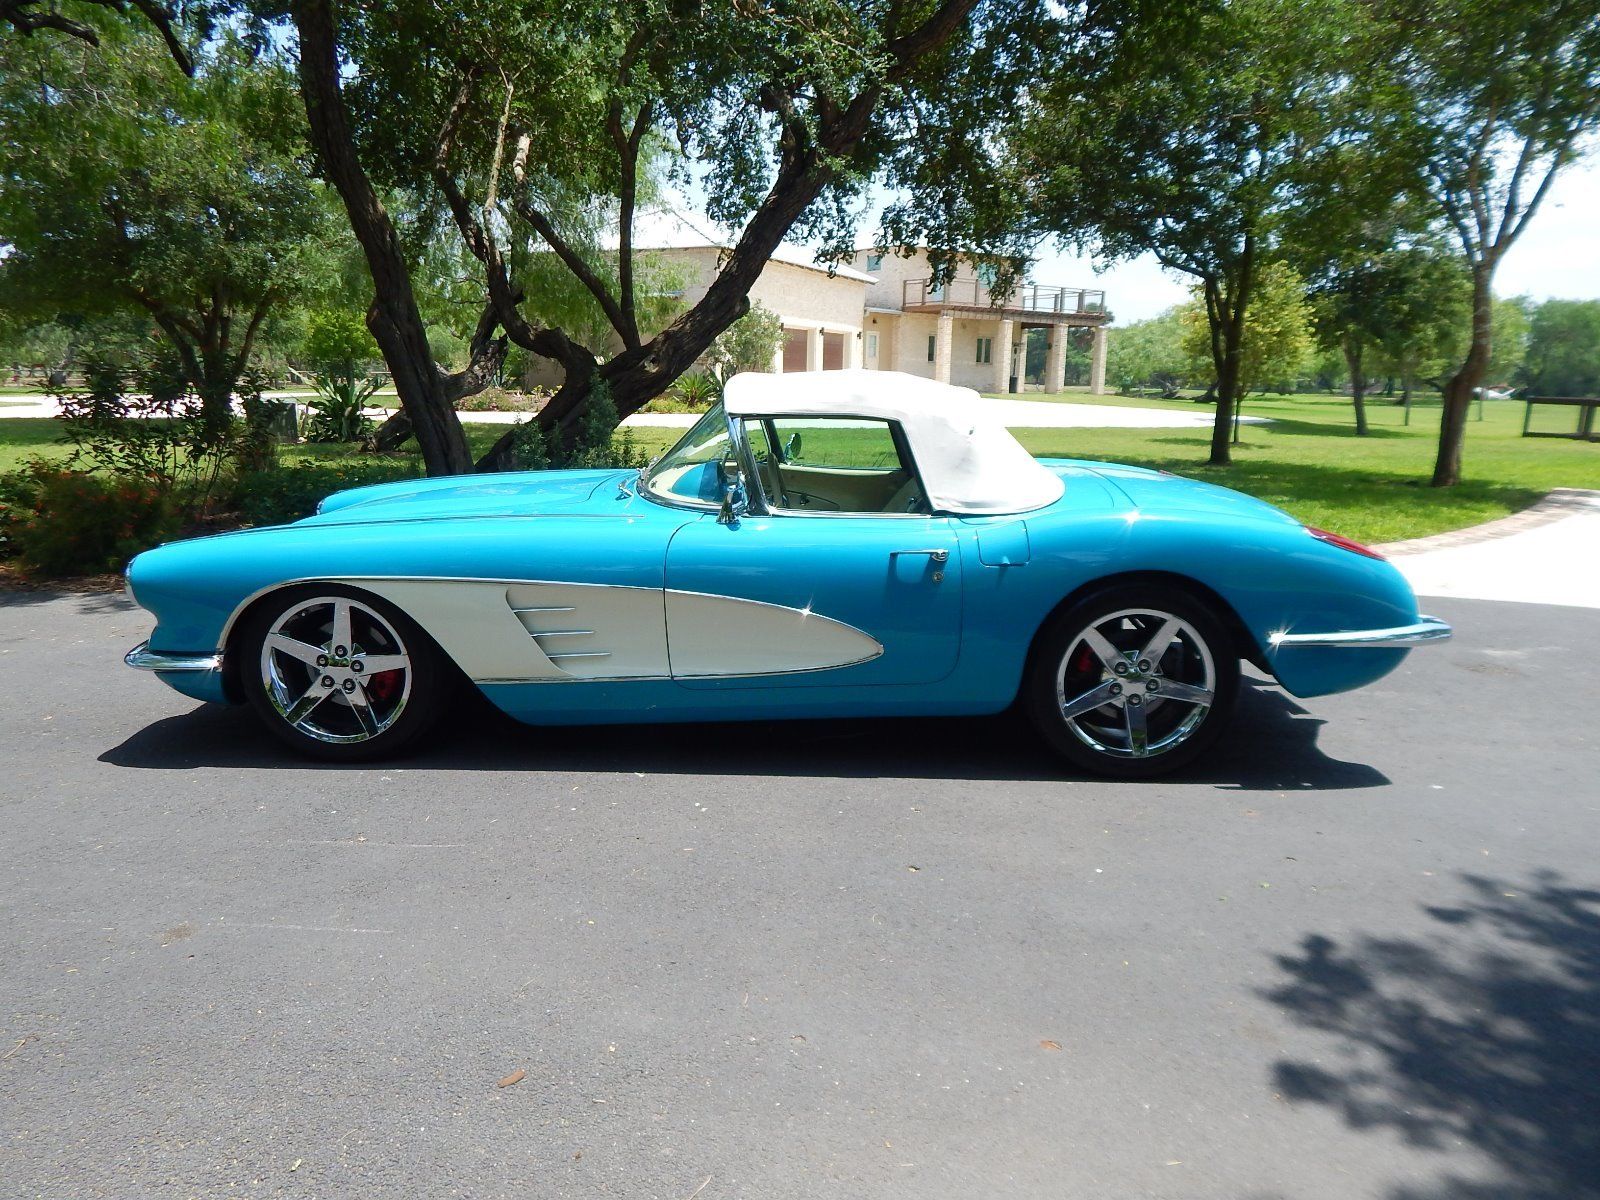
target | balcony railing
[{"x": 1025, "y": 297}]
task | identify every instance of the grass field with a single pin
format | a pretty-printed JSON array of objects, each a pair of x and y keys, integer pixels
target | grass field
[{"x": 1308, "y": 461}]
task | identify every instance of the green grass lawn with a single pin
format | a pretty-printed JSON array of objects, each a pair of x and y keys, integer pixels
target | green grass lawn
[{"x": 1309, "y": 461}]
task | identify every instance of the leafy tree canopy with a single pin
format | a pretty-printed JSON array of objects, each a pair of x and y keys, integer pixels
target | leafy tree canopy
[
  {"x": 530, "y": 124},
  {"x": 1208, "y": 149},
  {"x": 1277, "y": 340},
  {"x": 1564, "y": 349},
  {"x": 130, "y": 186},
  {"x": 1149, "y": 353},
  {"x": 1498, "y": 96}
]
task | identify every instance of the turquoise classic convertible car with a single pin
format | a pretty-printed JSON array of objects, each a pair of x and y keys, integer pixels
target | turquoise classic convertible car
[{"x": 835, "y": 544}]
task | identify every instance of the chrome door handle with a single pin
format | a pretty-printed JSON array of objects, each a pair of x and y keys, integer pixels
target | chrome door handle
[{"x": 936, "y": 556}]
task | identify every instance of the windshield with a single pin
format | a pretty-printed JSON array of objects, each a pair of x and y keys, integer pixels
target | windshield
[{"x": 694, "y": 469}]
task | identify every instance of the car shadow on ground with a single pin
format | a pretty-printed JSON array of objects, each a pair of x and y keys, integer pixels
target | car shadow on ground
[
  {"x": 1481, "y": 1035},
  {"x": 1271, "y": 746}
]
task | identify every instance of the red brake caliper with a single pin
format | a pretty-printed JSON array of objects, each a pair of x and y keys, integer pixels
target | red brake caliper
[{"x": 383, "y": 685}]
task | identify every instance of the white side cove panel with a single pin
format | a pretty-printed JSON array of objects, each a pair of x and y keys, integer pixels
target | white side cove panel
[
  {"x": 505, "y": 631},
  {"x": 722, "y": 635},
  {"x": 594, "y": 631}
]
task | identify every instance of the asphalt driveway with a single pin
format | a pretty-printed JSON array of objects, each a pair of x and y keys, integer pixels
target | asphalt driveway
[{"x": 1358, "y": 955}]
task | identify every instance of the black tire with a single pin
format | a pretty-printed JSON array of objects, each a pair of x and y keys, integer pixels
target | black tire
[
  {"x": 399, "y": 704},
  {"x": 1105, "y": 738}
]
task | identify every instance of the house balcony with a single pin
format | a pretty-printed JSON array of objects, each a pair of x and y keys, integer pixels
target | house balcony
[{"x": 1084, "y": 305}]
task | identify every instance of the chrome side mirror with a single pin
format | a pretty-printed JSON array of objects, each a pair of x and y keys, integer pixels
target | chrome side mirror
[{"x": 734, "y": 505}]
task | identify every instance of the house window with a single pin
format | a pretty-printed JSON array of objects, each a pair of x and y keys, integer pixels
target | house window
[
  {"x": 874, "y": 261},
  {"x": 931, "y": 339},
  {"x": 872, "y": 345},
  {"x": 987, "y": 273},
  {"x": 986, "y": 349}
]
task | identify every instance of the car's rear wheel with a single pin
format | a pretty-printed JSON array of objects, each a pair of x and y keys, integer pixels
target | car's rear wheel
[
  {"x": 1133, "y": 681},
  {"x": 341, "y": 675}
]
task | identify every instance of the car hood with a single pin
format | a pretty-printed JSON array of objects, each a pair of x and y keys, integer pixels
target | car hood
[
  {"x": 1161, "y": 493},
  {"x": 515, "y": 494}
]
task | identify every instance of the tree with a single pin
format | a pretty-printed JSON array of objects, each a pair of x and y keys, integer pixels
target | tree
[
  {"x": 1275, "y": 340},
  {"x": 1202, "y": 149},
  {"x": 501, "y": 112},
  {"x": 1149, "y": 354},
  {"x": 26, "y": 17},
  {"x": 1397, "y": 308},
  {"x": 749, "y": 344},
  {"x": 1501, "y": 98},
  {"x": 130, "y": 186},
  {"x": 1564, "y": 349}
]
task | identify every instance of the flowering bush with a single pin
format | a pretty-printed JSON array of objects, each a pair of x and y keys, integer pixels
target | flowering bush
[{"x": 69, "y": 522}]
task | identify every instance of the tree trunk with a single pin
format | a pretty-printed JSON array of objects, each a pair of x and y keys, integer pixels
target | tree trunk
[
  {"x": 394, "y": 319},
  {"x": 1227, "y": 397},
  {"x": 1458, "y": 391},
  {"x": 1358, "y": 383}
]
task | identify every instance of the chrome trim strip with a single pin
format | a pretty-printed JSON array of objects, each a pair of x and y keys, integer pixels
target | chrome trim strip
[
  {"x": 539, "y": 633},
  {"x": 580, "y": 654},
  {"x": 541, "y": 607},
  {"x": 143, "y": 658},
  {"x": 1427, "y": 629}
]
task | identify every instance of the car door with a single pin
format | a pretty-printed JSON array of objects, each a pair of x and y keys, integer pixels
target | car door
[{"x": 812, "y": 598}]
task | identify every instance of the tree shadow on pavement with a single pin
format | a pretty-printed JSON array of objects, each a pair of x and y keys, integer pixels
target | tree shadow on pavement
[
  {"x": 1485, "y": 1035},
  {"x": 1272, "y": 746}
]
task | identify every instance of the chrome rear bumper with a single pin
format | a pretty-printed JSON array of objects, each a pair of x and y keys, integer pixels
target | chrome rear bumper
[
  {"x": 1427, "y": 629},
  {"x": 146, "y": 659}
]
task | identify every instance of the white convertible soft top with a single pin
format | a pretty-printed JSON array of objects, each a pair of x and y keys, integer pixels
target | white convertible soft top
[{"x": 968, "y": 460}]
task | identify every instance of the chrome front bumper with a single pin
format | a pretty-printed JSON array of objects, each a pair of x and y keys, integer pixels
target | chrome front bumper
[
  {"x": 146, "y": 659},
  {"x": 1427, "y": 629}
]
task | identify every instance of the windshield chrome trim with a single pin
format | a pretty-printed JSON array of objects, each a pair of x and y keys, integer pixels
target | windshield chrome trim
[{"x": 670, "y": 500}]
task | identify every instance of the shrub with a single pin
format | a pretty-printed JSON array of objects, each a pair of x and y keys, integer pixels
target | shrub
[
  {"x": 596, "y": 442},
  {"x": 493, "y": 399},
  {"x": 286, "y": 494},
  {"x": 82, "y": 524},
  {"x": 698, "y": 390},
  {"x": 157, "y": 432},
  {"x": 335, "y": 413},
  {"x": 749, "y": 344}
]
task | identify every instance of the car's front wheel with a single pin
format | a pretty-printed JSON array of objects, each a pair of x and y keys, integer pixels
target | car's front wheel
[
  {"x": 340, "y": 675},
  {"x": 1133, "y": 681}
]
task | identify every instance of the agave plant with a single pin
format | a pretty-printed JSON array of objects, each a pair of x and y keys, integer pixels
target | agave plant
[
  {"x": 335, "y": 413},
  {"x": 698, "y": 389}
]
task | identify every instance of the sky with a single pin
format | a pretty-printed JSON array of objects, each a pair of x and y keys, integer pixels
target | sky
[{"x": 1558, "y": 256}]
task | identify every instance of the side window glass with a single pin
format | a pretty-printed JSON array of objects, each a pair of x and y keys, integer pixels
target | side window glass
[
  {"x": 832, "y": 465},
  {"x": 841, "y": 443}
]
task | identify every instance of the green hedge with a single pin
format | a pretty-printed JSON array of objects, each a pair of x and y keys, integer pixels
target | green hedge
[{"x": 289, "y": 493}]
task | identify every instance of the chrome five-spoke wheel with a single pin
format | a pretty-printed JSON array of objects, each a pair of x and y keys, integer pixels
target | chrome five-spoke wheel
[
  {"x": 335, "y": 670},
  {"x": 339, "y": 675},
  {"x": 1134, "y": 682}
]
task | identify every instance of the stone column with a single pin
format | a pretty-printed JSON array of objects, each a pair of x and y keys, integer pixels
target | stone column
[
  {"x": 1097, "y": 362},
  {"x": 1002, "y": 357},
  {"x": 813, "y": 349},
  {"x": 1055, "y": 365},
  {"x": 942, "y": 346},
  {"x": 889, "y": 344},
  {"x": 853, "y": 349},
  {"x": 777, "y": 355}
]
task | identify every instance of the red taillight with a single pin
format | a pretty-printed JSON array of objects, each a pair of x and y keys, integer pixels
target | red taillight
[{"x": 1344, "y": 543}]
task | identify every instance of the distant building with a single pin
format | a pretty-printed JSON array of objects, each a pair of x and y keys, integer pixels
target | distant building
[
  {"x": 882, "y": 312},
  {"x": 964, "y": 333}
]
